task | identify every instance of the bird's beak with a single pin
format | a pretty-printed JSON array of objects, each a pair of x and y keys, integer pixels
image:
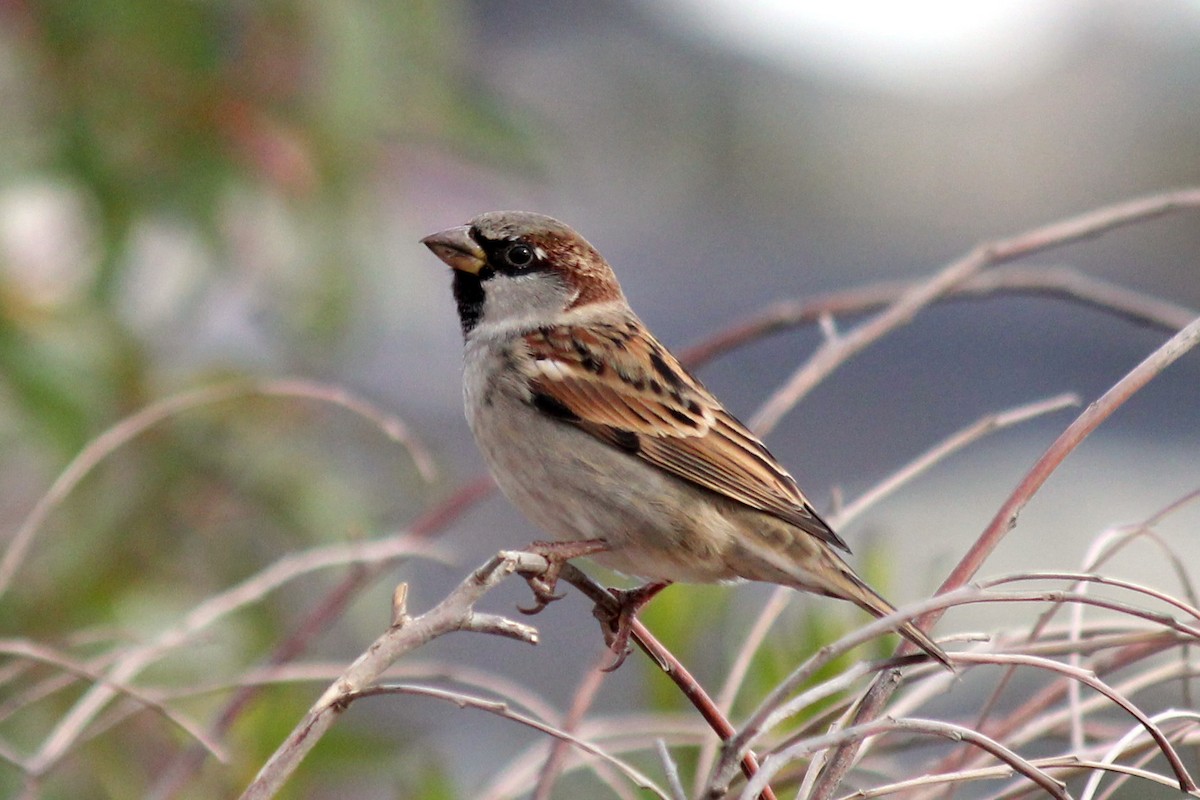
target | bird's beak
[{"x": 456, "y": 247}]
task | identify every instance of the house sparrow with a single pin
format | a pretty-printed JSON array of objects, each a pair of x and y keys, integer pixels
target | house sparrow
[{"x": 597, "y": 433}]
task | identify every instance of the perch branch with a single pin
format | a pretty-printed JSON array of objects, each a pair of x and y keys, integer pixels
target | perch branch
[
  {"x": 670, "y": 665},
  {"x": 456, "y": 612}
]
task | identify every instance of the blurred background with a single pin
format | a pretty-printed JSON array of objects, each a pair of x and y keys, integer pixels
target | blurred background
[{"x": 197, "y": 191}]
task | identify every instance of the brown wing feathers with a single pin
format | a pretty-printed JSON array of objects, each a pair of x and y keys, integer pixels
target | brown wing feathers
[{"x": 662, "y": 415}]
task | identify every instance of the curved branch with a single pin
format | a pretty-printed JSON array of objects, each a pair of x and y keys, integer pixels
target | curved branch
[
  {"x": 670, "y": 665},
  {"x": 136, "y": 424},
  {"x": 1006, "y": 517},
  {"x": 1186, "y": 783},
  {"x": 1061, "y": 282},
  {"x": 501, "y": 709},
  {"x": 836, "y": 350},
  {"x": 455, "y": 612},
  {"x": 928, "y": 727}
]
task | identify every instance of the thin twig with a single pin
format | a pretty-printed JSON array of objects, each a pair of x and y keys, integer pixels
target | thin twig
[
  {"x": 1081, "y": 578},
  {"x": 286, "y": 569},
  {"x": 670, "y": 665},
  {"x": 671, "y": 769},
  {"x": 1098, "y": 554},
  {"x": 1086, "y": 677},
  {"x": 1119, "y": 746},
  {"x": 986, "y": 425},
  {"x": 909, "y": 726},
  {"x": 1005, "y": 519},
  {"x": 33, "y": 651},
  {"x": 585, "y": 694},
  {"x": 776, "y": 603},
  {"x": 968, "y": 435},
  {"x": 1034, "y": 709},
  {"x": 775, "y": 706},
  {"x": 501, "y": 709},
  {"x": 134, "y": 425},
  {"x": 1061, "y": 282},
  {"x": 1054, "y": 763},
  {"x": 834, "y": 352},
  {"x": 176, "y": 776},
  {"x": 774, "y": 709},
  {"x": 620, "y": 733},
  {"x": 1098, "y": 411},
  {"x": 454, "y": 613},
  {"x": 1146, "y": 756}
]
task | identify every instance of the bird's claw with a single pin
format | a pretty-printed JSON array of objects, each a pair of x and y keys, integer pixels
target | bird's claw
[
  {"x": 543, "y": 594},
  {"x": 618, "y": 627},
  {"x": 556, "y": 554},
  {"x": 617, "y": 632}
]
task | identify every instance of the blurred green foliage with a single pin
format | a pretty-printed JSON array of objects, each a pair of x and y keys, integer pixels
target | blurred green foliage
[{"x": 145, "y": 118}]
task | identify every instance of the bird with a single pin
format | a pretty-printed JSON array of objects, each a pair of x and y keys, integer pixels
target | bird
[{"x": 598, "y": 434}]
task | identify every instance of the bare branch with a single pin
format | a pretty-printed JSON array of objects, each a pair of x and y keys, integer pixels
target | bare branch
[
  {"x": 1099, "y": 553},
  {"x": 620, "y": 733},
  {"x": 455, "y": 612},
  {"x": 1119, "y": 746},
  {"x": 776, "y": 603},
  {"x": 671, "y": 768},
  {"x": 585, "y": 694},
  {"x": 133, "y": 426},
  {"x": 502, "y": 710},
  {"x": 21, "y": 648},
  {"x": 834, "y": 352},
  {"x": 986, "y": 425},
  {"x": 1006, "y": 517},
  {"x": 922, "y": 726},
  {"x": 670, "y": 665},
  {"x": 1075, "y": 433},
  {"x": 1089, "y": 679},
  {"x": 287, "y": 568},
  {"x": 1068, "y": 763},
  {"x": 774, "y": 709},
  {"x": 326, "y": 612},
  {"x": 1062, "y": 282},
  {"x": 963, "y": 438},
  {"x": 1085, "y": 578}
]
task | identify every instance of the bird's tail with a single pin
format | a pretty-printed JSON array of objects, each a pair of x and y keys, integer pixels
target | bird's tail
[{"x": 866, "y": 598}]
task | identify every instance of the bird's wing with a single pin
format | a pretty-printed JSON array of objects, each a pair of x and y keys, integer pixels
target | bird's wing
[{"x": 617, "y": 383}]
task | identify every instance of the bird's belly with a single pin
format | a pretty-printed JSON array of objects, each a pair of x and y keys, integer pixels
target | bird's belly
[{"x": 575, "y": 487}]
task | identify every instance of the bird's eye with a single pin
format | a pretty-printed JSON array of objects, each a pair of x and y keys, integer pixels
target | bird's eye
[{"x": 519, "y": 256}]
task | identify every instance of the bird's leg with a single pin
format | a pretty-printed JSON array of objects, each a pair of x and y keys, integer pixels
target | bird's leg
[
  {"x": 618, "y": 628},
  {"x": 556, "y": 554}
]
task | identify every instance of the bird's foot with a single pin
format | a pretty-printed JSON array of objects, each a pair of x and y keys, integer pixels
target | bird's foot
[
  {"x": 556, "y": 554},
  {"x": 619, "y": 626}
]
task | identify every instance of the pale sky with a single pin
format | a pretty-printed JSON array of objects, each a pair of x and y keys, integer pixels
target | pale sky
[{"x": 926, "y": 46}]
